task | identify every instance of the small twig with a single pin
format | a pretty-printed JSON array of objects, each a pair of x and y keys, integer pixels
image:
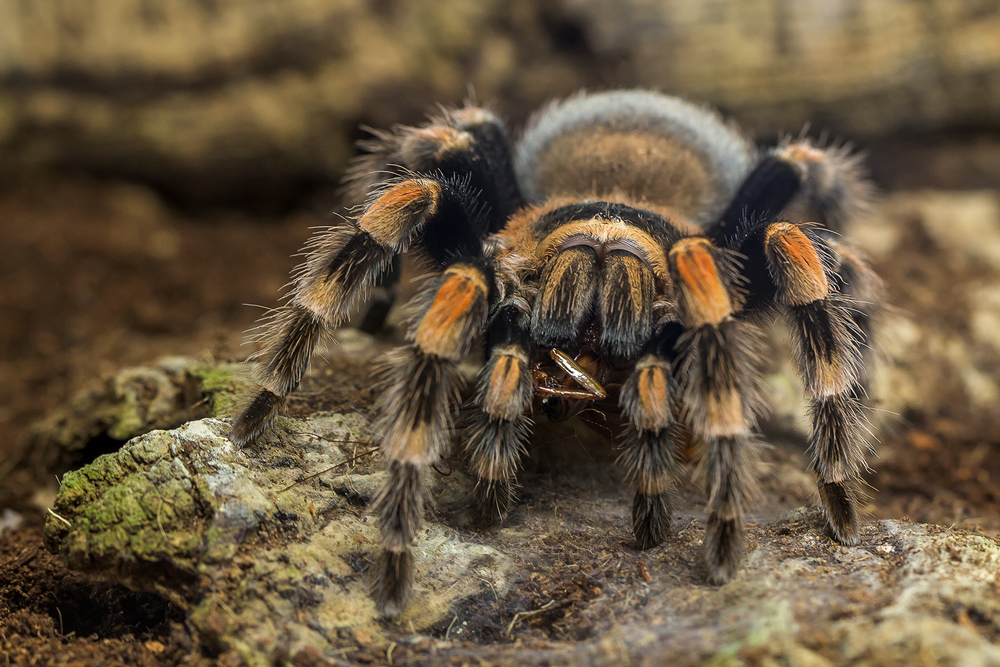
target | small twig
[
  {"x": 339, "y": 441},
  {"x": 388, "y": 653},
  {"x": 60, "y": 518},
  {"x": 199, "y": 403},
  {"x": 524, "y": 614},
  {"x": 333, "y": 467},
  {"x": 492, "y": 587},
  {"x": 448, "y": 631}
]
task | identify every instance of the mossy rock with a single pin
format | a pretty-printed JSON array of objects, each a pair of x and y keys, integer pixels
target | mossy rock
[{"x": 268, "y": 551}]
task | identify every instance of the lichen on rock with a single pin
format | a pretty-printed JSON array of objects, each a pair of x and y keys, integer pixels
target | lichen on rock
[
  {"x": 267, "y": 549},
  {"x": 234, "y": 537},
  {"x": 136, "y": 400}
]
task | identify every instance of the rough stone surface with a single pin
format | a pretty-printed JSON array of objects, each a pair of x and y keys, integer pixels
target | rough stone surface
[
  {"x": 136, "y": 400},
  {"x": 265, "y": 564},
  {"x": 270, "y": 565},
  {"x": 230, "y": 100},
  {"x": 864, "y": 68}
]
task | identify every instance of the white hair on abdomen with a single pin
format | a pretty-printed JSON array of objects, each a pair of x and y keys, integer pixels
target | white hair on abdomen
[{"x": 727, "y": 154}]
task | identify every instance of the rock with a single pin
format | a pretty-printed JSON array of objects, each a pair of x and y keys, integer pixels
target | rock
[
  {"x": 939, "y": 253},
  {"x": 268, "y": 549},
  {"x": 860, "y": 69},
  {"x": 266, "y": 555},
  {"x": 196, "y": 97},
  {"x": 135, "y": 400}
]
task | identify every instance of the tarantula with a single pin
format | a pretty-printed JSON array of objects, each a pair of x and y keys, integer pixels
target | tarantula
[{"x": 631, "y": 244}]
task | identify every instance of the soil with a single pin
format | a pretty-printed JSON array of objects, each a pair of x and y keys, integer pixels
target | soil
[{"x": 95, "y": 276}]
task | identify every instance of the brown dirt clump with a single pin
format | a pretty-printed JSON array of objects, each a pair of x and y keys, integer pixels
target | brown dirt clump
[{"x": 50, "y": 615}]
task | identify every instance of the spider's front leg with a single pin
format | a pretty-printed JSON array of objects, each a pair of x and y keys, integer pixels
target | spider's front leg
[
  {"x": 415, "y": 413},
  {"x": 719, "y": 389}
]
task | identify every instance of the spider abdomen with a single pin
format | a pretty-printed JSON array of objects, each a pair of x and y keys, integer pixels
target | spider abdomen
[{"x": 637, "y": 145}]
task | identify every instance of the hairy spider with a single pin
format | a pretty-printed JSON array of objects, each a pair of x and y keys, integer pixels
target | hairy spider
[{"x": 630, "y": 240}]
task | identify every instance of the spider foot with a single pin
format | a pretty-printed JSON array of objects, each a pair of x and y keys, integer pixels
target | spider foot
[
  {"x": 493, "y": 501},
  {"x": 255, "y": 418},
  {"x": 841, "y": 512},
  {"x": 651, "y": 519},
  {"x": 723, "y": 548},
  {"x": 394, "y": 582}
]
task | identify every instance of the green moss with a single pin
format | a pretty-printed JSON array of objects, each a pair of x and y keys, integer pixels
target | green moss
[
  {"x": 217, "y": 378},
  {"x": 220, "y": 384},
  {"x": 126, "y": 422},
  {"x": 137, "y": 501}
]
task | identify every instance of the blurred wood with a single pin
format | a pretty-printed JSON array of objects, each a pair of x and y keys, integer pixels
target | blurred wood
[
  {"x": 258, "y": 101},
  {"x": 861, "y": 67}
]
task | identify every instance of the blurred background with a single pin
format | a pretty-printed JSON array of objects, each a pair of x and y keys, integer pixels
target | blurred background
[{"x": 160, "y": 162}]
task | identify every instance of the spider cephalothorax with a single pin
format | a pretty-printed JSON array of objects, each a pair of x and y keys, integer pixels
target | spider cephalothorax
[{"x": 631, "y": 240}]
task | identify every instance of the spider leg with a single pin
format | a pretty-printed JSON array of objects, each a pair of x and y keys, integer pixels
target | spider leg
[
  {"x": 720, "y": 385},
  {"x": 651, "y": 457},
  {"x": 421, "y": 382},
  {"x": 416, "y": 410},
  {"x": 854, "y": 279},
  {"x": 624, "y": 306},
  {"x": 421, "y": 177},
  {"x": 342, "y": 264},
  {"x": 828, "y": 340},
  {"x": 500, "y": 427},
  {"x": 834, "y": 186},
  {"x": 806, "y": 181},
  {"x": 469, "y": 142},
  {"x": 830, "y": 330},
  {"x": 382, "y": 298}
]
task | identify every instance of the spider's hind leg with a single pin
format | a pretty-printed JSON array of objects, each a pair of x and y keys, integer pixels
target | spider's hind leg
[{"x": 807, "y": 181}]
